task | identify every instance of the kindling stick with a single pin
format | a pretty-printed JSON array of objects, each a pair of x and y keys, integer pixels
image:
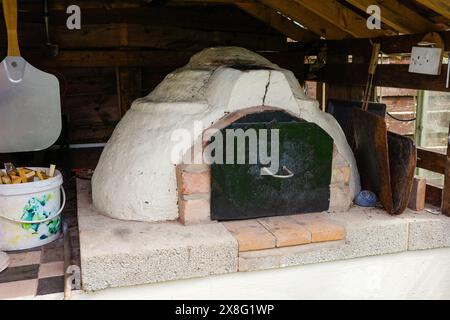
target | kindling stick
[{"x": 372, "y": 69}]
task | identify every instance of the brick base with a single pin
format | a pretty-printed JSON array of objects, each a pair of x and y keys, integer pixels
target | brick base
[{"x": 194, "y": 191}]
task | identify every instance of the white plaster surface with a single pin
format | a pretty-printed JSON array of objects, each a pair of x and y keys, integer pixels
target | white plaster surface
[{"x": 135, "y": 177}]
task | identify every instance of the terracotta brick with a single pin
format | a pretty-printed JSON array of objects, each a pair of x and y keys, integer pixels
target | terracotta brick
[
  {"x": 251, "y": 235},
  {"x": 340, "y": 197},
  {"x": 341, "y": 175},
  {"x": 194, "y": 168},
  {"x": 322, "y": 229},
  {"x": 287, "y": 231},
  {"x": 194, "y": 210},
  {"x": 193, "y": 179},
  {"x": 338, "y": 159}
]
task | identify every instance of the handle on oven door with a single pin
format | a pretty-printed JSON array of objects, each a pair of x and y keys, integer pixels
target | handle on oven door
[{"x": 269, "y": 173}]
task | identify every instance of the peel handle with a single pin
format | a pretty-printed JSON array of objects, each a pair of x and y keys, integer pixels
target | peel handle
[{"x": 10, "y": 12}]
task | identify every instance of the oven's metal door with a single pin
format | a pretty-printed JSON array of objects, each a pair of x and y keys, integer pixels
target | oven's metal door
[{"x": 301, "y": 185}]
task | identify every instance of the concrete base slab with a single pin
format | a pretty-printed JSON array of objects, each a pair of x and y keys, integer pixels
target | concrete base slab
[
  {"x": 117, "y": 253},
  {"x": 427, "y": 231},
  {"x": 370, "y": 232},
  {"x": 406, "y": 275}
]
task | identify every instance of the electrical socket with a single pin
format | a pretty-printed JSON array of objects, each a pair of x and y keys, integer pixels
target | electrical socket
[{"x": 426, "y": 60}]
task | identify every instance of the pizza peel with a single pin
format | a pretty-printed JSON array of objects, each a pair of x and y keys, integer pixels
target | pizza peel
[{"x": 30, "y": 106}]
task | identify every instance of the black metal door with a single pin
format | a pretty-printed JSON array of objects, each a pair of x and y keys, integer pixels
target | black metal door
[{"x": 301, "y": 185}]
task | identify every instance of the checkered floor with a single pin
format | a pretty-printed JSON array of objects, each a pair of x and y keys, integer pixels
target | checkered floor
[
  {"x": 33, "y": 273},
  {"x": 40, "y": 271}
]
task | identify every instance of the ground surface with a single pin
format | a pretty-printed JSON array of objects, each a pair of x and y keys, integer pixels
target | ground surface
[{"x": 40, "y": 271}]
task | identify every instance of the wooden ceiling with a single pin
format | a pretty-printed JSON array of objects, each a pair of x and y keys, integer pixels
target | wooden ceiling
[
  {"x": 303, "y": 20},
  {"x": 307, "y": 20}
]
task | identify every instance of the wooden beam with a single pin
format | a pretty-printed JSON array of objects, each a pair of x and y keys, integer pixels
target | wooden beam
[
  {"x": 401, "y": 44},
  {"x": 158, "y": 60},
  {"x": 440, "y": 6},
  {"x": 307, "y": 18},
  {"x": 88, "y": 4},
  {"x": 342, "y": 17},
  {"x": 430, "y": 160},
  {"x": 211, "y": 17},
  {"x": 433, "y": 195},
  {"x": 141, "y": 36},
  {"x": 278, "y": 21},
  {"x": 129, "y": 87},
  {"x": 398, "y": 16},
  {"x": 446, "y": 193},
  {"x": 390, "y": 75}
]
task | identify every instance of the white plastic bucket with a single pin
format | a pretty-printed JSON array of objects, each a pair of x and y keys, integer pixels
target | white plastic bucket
[{"x": 37, "y": 202}]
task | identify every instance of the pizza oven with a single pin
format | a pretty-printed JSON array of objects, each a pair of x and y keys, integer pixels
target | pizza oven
[{"x": 230, "y": 136}]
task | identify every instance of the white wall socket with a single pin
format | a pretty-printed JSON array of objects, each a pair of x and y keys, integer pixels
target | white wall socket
[{"x": 426, "y": 60}]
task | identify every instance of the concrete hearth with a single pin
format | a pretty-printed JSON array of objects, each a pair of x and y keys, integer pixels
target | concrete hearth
[{"x": 117, "y": 253}]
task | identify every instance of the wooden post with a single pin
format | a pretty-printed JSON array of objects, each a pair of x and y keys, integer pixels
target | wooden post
[
  {"x": 417, "y": 197},
  {"x": 446, "y": 194},
  {"x": 129, "y": 87},
  {"x": 320, "y": 95},
  {"x": 343, "y": 91}
]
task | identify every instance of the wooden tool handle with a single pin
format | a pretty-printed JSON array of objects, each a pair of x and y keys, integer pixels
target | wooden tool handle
[{"x": 10, "y": 11}]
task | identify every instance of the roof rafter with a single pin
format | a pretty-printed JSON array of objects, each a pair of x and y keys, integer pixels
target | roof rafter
[
  {"x": 440, "y": 6},
  {"x": 277, "y": 21},
  {"x": 342, "y": 17},
  {"x": 398, "y": 16},
  {"x": 307, "y": 18}
]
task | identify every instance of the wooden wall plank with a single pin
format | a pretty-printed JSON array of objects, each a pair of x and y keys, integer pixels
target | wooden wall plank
[
  {"x": 212, "y": 18},
  {"x": 90, "y": 133},
  {"x": 92, "y": 108},
  {"x": 158, "y": 61},
  {"x": 129, "y": 87},
  {"x": 140, "y": 36},
  {"x": 430, "y": 160}
]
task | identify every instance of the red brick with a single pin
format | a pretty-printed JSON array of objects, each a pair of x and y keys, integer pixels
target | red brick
[
  {"x": 322, "y": 228},
  {"x": 286, "y": 231},
  {"x": 341, "y": 175},
  {"x": 190, "y": 181},
  {"x": 193, "y": 211},
  {"x": 251, "y": 235}
]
